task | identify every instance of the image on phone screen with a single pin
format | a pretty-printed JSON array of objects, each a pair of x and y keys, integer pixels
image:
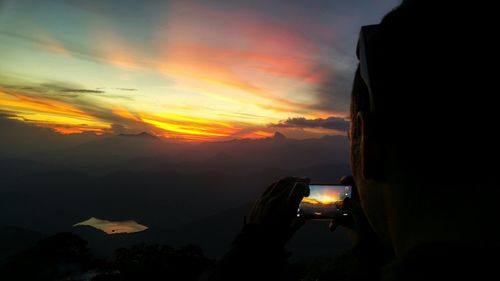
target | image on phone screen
[{"x": 324, "y": 201}]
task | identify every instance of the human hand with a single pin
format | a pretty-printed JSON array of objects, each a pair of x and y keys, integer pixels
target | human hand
[
  {"x": 276, "y": 210},
  {"x": 355, "y": 223},
  {"x": 366, "y": 243}
]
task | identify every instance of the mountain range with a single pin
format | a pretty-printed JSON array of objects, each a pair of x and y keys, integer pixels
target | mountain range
[{"x": 184, "y": 192}]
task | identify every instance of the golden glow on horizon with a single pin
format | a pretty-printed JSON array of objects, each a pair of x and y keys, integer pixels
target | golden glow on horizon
[
  {"x": 124, "y": 114},
  {"x": 17, "y": 101},
  {"x": 186, "y": 129},
  {"x": 323, "y": 198},
  {"x": 72, "y": 130},
  {"x": 61, "y": 117},
  {"x": 65, "y": 118},
  {"x": 257, "y": 135},
  {"x": 176, "y": 117}
]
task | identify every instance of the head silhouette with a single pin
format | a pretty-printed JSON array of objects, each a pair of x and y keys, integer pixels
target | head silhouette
[{"x": 422, "y": 148}]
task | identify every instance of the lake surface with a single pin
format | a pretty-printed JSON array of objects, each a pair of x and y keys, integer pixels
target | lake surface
[{"x": 113, "y": 227}]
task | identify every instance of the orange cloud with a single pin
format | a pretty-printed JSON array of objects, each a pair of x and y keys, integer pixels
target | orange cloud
[
  {"x": 263, "y": 58},
  {"x": 44, "y": 112},
  {"x": 231, "y": 72},
  {"x": 123, "y": 113},
  {"x": 256, "y": 135},
  {"x": 112, "y": 48},
  {"x": 189, "y": 128},
  {"x": 183, "y": 129},
  {"x": 221, "y": 62},
  {"x": 50, "y": 43},
  {"x": 18, "y": 101},
  {"x": 65, "y": 118},
  {"x": 177, "y": 117},
  {"x": 65, "y": 130}
]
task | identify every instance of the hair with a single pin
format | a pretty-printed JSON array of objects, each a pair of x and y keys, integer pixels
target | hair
[{"x": 430, "y": 89}]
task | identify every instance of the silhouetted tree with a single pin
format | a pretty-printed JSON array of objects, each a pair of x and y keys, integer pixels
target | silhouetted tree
[
  {"x": 155, "y": 262},
  {"x": 61, "y": 256}
]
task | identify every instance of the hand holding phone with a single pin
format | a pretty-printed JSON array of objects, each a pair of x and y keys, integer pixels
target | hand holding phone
[{"x": 325, "y": 201}]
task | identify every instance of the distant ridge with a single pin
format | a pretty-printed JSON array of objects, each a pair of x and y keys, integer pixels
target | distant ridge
[
  {"x": 139, "y": 135},
  {"x": 279, "y": 136}
]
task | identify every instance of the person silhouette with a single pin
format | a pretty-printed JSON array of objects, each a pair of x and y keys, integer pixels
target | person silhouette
[{"x": 423, "y": 156}]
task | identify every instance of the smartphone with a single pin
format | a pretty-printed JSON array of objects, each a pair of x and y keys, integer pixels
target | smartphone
[{"x": 324, "y": 201}]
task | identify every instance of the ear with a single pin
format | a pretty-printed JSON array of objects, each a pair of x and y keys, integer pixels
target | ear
[{"x": 371, "y": 151}]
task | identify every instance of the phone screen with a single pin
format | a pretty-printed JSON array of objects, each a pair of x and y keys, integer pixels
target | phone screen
[{"x": 324, "y": 201}]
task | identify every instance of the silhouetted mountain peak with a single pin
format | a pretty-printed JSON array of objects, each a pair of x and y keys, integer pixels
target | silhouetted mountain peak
[
  {"x": 142, "y": 135},
  {"x": 279, "y": 136}
]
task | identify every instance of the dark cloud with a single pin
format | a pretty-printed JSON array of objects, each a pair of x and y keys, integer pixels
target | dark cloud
[
  {"x": 119, "y": 97},
  {"x": 7, "y": 114},
  {"x": 127, "y": 89},
  {"x": 54, "y": 86},
  {"x": 118, "y": 129},
  {"x": 334, "y": 123},
  {"x": 64, "y": 87},
  {"x": 57, "y": 87},
  {"x": 82, "y": 91},
  {"x": 60, "y": 89},
  {"x": 24, "y": 88},
  {"x": 71, "y": 93}
]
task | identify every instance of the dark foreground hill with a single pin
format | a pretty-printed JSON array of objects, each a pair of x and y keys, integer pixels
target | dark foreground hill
[{"x": 185, "y": 193}]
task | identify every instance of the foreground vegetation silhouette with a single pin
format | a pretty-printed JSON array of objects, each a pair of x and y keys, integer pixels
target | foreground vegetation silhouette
[{"x": 66, "y": 256}]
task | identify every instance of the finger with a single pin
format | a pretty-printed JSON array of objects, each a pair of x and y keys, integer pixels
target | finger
[
  {"x": 347, "y": 180},
  {"x": 304, "y": 179},
  {"x": 283, "y": 186},
  {"x": 299, "y": 190},
  {"x": 346, "y": 204},
  {"x": 305, "y": 182},
  {"x": 269, "y": 189}
]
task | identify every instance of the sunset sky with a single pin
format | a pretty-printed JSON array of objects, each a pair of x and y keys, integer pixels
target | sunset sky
[
  {"x": 187, "y": 70},
  {"x": 325, "y": 194}
]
